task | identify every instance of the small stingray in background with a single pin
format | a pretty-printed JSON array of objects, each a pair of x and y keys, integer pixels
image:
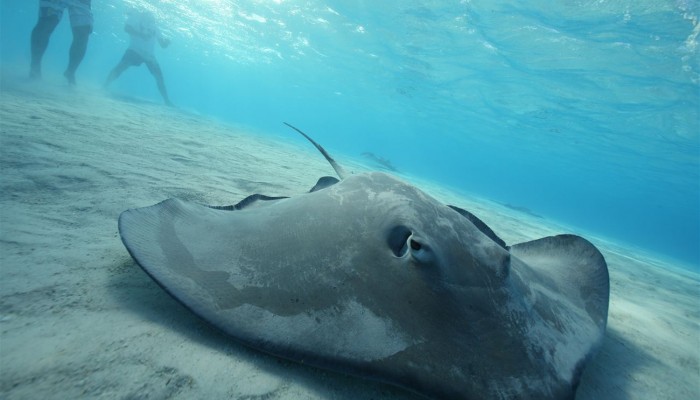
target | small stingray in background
[
  {"x": 522, "y": 209},
  {"x": 380, "y": 161},
  {"x": 370, "y": 276}
]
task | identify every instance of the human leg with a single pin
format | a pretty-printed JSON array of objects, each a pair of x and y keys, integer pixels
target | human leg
[
  {"x": 116, "y": 72},
  {"x": 129, "y": 59},
  {"x": 48, "y": 19},
  {"x": 155, "y": 70},
  {"x": 81, "y": 21},
  {"x": 77, "y": 50}
]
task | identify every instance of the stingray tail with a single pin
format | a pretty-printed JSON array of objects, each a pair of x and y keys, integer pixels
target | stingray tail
[{"x": 338, "y": 169}]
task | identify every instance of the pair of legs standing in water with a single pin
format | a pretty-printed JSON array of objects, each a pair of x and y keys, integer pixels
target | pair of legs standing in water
[{"x": 50, "y": 13}]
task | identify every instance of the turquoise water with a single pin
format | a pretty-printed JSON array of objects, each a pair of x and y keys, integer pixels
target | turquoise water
[{"x": 585, "y": 112}]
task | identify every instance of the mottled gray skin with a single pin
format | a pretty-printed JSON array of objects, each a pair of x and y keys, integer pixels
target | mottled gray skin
[{"x": 370, "y": 276}]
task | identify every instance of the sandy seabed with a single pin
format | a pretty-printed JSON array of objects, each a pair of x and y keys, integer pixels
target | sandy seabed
[{"x": 79, "y": 319}]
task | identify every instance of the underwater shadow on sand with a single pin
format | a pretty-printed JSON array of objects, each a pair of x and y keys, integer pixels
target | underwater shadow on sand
[
  {"x": 611, "y": 371},
  {"x": 136, "y": 291}
]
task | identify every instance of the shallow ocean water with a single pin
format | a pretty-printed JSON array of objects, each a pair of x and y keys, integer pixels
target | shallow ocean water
[
  {"x": 584, "y": 112},
  {"x": 541, "y": 117}
]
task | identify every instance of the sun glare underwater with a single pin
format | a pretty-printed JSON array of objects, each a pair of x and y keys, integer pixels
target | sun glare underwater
[{"x": 584, "y": 112}]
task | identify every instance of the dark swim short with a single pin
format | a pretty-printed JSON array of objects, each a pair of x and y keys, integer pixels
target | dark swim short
[{"x": 135, "y": 59}]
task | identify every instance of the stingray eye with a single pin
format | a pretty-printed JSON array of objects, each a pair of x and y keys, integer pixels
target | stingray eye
[
  {"x": 402, "y": 241},
  {"x": 419, "y": 251}
]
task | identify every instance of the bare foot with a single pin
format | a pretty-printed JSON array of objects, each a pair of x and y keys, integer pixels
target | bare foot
[
  {"x": 35, "y": 73},
  {"x": 70, "y": 76}
]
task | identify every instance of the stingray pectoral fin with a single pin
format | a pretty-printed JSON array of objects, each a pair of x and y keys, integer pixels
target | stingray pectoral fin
[
  {"x": 151, "y": 236},
  {"x": 573, "y": 267},
  {"x": 569, "y": 290},
  {"x": 269, "y": 276}
]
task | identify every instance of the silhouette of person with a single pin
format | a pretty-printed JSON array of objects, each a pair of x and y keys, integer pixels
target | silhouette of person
[
  {"x": 144, "y": 32},
  {"x": 50, "y": 13}
]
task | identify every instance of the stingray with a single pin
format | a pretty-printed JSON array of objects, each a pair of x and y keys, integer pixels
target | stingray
[{"x": 370, "y": 276}]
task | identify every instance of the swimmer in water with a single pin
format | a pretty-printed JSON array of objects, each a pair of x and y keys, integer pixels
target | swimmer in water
[{"x": 144, "y": 32}]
